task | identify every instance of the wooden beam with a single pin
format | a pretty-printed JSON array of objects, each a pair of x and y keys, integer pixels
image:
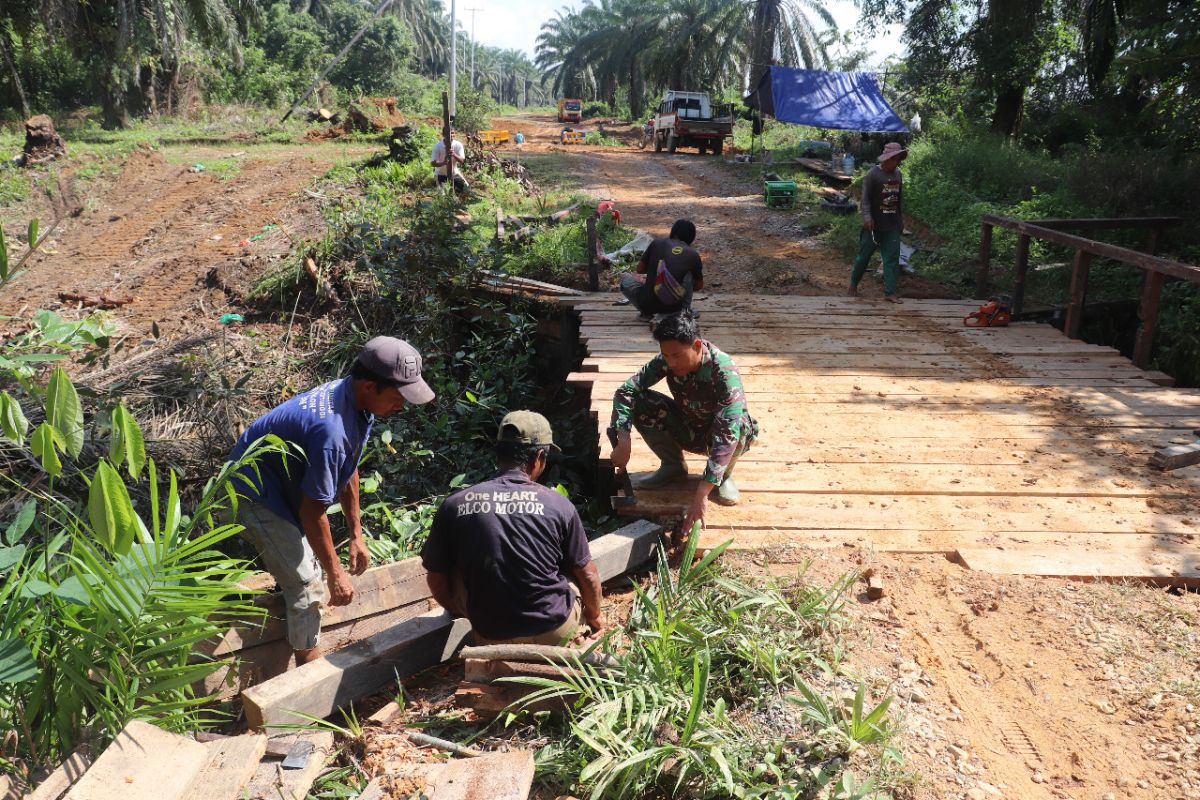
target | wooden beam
[
  {"x": 593, "y": 272},
  {"x": 1143, "y": 345},
  {"x": 142, "y": 763},
  {"x": 1170, "y": 458},
  {"x": 1079, "y": 282},
  {"x": 1108, "y": 223},
  {"x": 1018, "y": 296},
  {"x": 1175, "y": 269},
  {"x": 320, "y": 687}
]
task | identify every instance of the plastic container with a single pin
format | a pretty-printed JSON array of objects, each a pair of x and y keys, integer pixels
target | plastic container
[{"x": 848, "y": 164}]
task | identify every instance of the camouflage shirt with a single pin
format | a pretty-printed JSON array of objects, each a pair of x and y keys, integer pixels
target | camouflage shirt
[{"x": 712, "y": 399}]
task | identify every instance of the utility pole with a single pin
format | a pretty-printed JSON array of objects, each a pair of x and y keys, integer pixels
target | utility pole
[
  {"x": 473, "y": 10},
  {"x": 453, "y": 61}
]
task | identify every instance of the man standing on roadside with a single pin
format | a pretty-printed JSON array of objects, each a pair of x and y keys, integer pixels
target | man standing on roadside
[
  {"x": 883, "y": 220},
  {"x": 285, "y": 495},
  {"x": 503, "y": 552},
  {"x": 672, "y": 270},
  {"x": 442, "y": 171},
  {"x": 706, "y": 413}
]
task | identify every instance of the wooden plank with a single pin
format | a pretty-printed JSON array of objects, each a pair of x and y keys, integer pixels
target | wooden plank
[
  {"x": 64, "y": 777},
  {"x": 1079, "y": 282},
  {"x": 1107, "y": 223},
  {"x": 262, "y": 662},
  {"x": 377, "y": 590},
  {"x": 321, "y": 686},
  {"x": 232, "y": 762},
  {"x": 1162, "y": 567},
  {"x": 935, "y": 512},
  {"x": 1143, "y": 344},
  {"x": 918, "y": 541},
  {"x": 142, "y": 763},
  {"x": 494, "y": 776},
  {"x": 272, "y": 782}
]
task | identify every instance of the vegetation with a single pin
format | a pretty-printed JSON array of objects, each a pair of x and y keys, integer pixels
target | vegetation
[
  {"x": 722, "y": 689},
  {"x": 643, "y": 48}
]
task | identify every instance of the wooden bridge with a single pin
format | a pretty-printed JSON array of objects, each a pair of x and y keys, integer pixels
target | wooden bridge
[{"x": 898, "y": 429}]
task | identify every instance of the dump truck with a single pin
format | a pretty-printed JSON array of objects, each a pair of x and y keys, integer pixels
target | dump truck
[
  {"x": 687, "y": 119},
  {"x": 570, "y": 110}
]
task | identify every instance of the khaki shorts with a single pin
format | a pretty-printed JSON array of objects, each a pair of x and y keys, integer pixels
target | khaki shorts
[
  {"x": 289, "y": 558},
  {"x": 557, "y": 636}
]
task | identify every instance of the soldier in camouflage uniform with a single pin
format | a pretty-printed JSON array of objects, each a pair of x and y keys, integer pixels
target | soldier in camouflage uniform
[{"x": 707, "y": 413}]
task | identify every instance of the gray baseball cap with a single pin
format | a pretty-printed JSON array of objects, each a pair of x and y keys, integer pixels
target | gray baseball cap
[
  {"x": 398, "y": 361},
  {"x": 526, "y": 427}
]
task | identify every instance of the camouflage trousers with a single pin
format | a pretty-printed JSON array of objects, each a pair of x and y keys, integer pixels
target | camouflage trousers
[{"x": 655, "y": 411}]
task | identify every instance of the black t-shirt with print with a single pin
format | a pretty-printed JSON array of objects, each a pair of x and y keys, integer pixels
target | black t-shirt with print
[
  {"x": 515, "y": 542},
  {"x": 680, "y": 259}
]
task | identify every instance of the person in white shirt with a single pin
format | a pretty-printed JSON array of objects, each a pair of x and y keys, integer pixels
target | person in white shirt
[{"x": 441, "y": 170}]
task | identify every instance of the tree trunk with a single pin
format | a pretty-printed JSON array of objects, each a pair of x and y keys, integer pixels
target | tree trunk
[
  {"x": 1009, "y": 112},
  {"x": 6, "y": 51},
  {"x": 114, "y": 112},
  {"x": 637, "y": 89}
]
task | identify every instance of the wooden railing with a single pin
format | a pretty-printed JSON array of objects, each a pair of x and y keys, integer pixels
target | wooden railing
[{"x": 1156, "y": 269}]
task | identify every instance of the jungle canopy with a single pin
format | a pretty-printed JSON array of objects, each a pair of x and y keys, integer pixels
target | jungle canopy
[{"x": 841, "y": 100}]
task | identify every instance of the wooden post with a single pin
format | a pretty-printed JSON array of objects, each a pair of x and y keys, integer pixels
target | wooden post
[
  {"x": 1018, "y": 299},
  {"x": 985, "y": 261},
  {"x": 593, "y": 272},
  {"x": 499, "y": 226},
  {"x": 1148, "y": 314},
  {"x": 1152, "y": 240},
  {"x": 1079, "y": 279},
  {"x": 448, "y": 139}
]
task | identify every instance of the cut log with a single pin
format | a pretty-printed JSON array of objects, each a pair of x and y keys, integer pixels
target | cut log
[
  {"x": 272, "y": 782},
  {"x": 320, "y": 687},
  {"x": 142, "y": 763},
  {"x": 1170, "y": 458},
  {"x": 232, "y": 762},
  {"x": 67, "y": 775},
  {"x": 477, "y": 670},
  {"x": 489, "y": 699},
  {"x": 496, "y": 776},
  {"x": 538, "y": 653}
]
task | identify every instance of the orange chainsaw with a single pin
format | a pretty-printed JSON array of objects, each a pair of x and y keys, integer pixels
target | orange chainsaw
[{"x": 995, "y": 313}]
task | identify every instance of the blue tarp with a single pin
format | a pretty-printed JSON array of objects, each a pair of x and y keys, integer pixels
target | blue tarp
[{"x": 849, "y": 101}]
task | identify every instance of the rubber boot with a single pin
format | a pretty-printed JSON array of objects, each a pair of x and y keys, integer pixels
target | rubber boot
[
  {"x": 672, "y": 468},
  {"x": 726, "y": 494}
]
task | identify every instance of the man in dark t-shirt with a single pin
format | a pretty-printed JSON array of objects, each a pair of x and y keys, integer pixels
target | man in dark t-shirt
[
  {"x": 673, "y": 269},
  {"x": 503, "y": 552}
]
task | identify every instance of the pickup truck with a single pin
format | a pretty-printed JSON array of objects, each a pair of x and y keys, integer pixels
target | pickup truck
[
  {"x": 570, "y": 110},
  {"x": 686, "y": 119}
]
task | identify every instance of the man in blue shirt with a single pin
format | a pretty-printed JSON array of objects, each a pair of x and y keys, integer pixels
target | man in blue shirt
[{"x": 286, "y": 495}]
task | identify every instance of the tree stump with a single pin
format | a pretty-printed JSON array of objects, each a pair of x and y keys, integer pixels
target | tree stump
[{"x": 42, "y": 142}]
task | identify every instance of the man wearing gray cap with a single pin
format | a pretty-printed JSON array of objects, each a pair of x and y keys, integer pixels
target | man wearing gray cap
[
  {"x": 503, "y": 552},
  {"x": 286, "y": 495}
]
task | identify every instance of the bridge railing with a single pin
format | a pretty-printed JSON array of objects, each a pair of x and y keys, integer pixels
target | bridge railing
[{"x": 1155, "y": 269}]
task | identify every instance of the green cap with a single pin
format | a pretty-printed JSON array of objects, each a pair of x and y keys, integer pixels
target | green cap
[{"x": 526, "y": 427}]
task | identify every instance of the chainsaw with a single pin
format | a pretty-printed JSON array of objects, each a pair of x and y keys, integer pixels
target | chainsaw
[{"x": 995, "y": 313}]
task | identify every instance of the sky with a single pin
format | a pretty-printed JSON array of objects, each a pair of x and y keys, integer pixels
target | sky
[{"x": 516, "y": 23}]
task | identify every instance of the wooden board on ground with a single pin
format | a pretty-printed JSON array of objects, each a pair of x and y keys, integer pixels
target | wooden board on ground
[
  {"x": 142, "y": 763},
  {"x": 1177, "y": 457},
  {"x": 1161, "y": 566},
  {"x": 321, "y": 686},
  {"x": 272, "y": 782},
  {"x": 64, "y": 777},
  {"x": 492, "y": 776},
  {"x": 232, "y": 762}
]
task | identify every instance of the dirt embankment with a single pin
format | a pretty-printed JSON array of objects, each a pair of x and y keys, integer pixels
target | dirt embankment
[{"x": 173, "y": 241}]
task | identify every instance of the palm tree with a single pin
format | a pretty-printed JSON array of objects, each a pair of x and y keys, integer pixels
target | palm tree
[
  {"x": 131, "y": 45},
  {"x": 558, "y": 55},
  {"x": 782, "y": 32}
]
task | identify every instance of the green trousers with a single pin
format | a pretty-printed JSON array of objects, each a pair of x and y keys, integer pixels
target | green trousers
[{"x": 889, "y": 250}]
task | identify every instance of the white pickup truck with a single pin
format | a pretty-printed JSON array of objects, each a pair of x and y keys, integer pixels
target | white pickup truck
[{"x": 686, "y": 119}]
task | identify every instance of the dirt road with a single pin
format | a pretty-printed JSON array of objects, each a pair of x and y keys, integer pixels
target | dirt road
[{"x": 746, "y": 246}]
